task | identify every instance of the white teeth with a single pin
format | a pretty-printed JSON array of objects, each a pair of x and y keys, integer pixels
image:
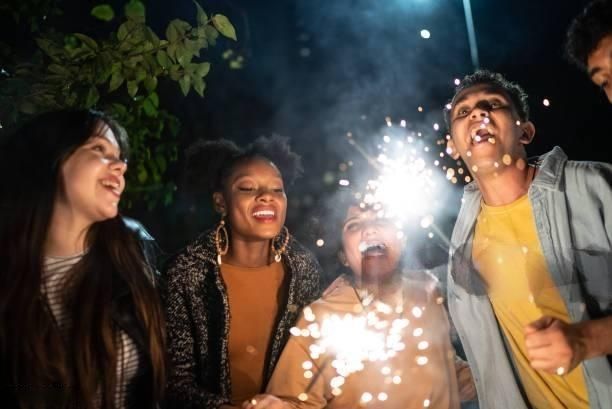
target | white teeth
[
  {"x": 264, "y": 213},
  {"x": 364, "y": 246},
  {"x": 110, "y": 184}
]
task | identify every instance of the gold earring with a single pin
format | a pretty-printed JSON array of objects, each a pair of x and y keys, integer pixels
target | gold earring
[
  {"x": 278, "y": 253},
  {"x": 221, "y": 230}
]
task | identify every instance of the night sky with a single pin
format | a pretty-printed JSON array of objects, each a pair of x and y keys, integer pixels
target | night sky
[{"x": 316, "y": 70}]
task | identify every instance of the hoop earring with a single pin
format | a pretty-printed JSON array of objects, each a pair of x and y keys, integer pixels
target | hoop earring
[
  {"x": 221, "y": 230},
  {"x": 278, "y": 253}
]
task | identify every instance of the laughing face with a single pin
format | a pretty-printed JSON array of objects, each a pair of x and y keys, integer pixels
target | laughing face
[
  {"x": 599, "y": 65},
  {"x": 486, "y": 130},
  {"x": 371, "y": 245},
  {"x": 254, "y": 200},
  {"x": 93, "y": 178}
]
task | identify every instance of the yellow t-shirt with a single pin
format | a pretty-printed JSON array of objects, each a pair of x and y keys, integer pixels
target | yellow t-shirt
[
  {"x": 253, "y": 295},
  {"x": 508, "y": 255}
]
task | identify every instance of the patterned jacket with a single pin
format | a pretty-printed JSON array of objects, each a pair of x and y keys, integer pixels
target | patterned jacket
[{"x": 198, "y": 319}]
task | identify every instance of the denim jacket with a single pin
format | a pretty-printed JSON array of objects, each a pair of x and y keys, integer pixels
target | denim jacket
[{"x": 572, "y": 208}]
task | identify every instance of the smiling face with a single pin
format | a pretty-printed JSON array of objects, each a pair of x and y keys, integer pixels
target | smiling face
[
  {"x": 254, "y": 199},
  {"x": 93, "y": 178},
  {"x": 599, "y": 65},
  {"x": 371, "y": 245},
  {"x": 486, "y": 130}
]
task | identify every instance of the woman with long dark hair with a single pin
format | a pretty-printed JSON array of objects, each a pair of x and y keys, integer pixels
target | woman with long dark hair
[
  {"x": 80, "y": 321},
  {"x": 234, "y": 293}
]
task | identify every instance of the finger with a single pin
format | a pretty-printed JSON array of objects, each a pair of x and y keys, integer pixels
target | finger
[
  {"x": 545, "y": 366},
  {"x": 538, "y": 339},
  {"x": 538, "y": 324}
]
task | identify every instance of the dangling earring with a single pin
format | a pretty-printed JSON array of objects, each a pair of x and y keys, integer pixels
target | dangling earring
[
  {"x": 221, "y": 230},
  {"x": 278, "y": 252}
]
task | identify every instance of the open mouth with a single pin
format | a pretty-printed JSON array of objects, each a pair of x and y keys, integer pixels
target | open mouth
[
  {"x": 264, "y": 214},
  {"x": 373, "y": 249},
  {"x": 112, "y": 185},
  {"x": 482, "y": 134}
]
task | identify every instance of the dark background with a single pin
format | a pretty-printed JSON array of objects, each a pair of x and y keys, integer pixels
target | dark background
[{"x": 317, "y": 69}]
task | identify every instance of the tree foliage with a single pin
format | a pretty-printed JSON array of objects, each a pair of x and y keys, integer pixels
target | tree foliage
[{"x": 120, "y": 75}]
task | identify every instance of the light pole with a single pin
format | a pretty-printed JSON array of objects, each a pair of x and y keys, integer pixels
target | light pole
[{"x": 469, "y": 23}]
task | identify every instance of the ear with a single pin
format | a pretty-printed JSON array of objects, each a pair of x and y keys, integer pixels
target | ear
[
  {"x": 451, "y": 149},
  {"x": 528, "y": 129},
  {"x": 342, "y": 258},
  {"x": 219, "y": 202}
]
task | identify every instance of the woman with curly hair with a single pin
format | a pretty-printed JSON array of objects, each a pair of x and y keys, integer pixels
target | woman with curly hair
[{"x": 233, "y": 294}]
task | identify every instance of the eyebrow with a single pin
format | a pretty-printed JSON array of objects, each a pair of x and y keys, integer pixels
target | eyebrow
[
  {"x": 486, "y": 91},
  {"x": 594, "y": 71}
]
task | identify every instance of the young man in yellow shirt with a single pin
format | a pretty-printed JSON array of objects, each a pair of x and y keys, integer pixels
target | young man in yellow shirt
[{"x": 530, "y": 260}]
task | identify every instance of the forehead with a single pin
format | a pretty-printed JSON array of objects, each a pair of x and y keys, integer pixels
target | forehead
[
  {"x": 600, "y": 53},
  {"x": 479, "y": 91},
  {"x": 356, "y": 212},
  {"x": 104, "y": 132},
  {"x": 255, "y": 167}
]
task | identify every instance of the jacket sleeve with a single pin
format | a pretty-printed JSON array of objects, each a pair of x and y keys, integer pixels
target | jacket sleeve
[
  {"x": 184, "y": 390},
  {"x": 288, "y": 381}
]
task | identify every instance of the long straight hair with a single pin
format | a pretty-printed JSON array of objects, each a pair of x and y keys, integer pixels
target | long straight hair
[{"x": 43, "y": 367}]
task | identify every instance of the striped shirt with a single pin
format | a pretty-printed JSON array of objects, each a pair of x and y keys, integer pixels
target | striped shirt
[{"x": 56, "y": 273}]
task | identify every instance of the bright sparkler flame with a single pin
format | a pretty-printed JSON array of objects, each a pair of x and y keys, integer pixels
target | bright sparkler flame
[
  {"x": 349, "y": 341},
  {"x": 406, "y": 186}
]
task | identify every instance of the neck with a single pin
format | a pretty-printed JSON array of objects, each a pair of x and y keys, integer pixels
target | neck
[
  {"x": 505, "y": 185},
  {"x": 381, "y": 290},
  {"x": 244, "y": 253},
  {"x": 67, "y": 233}
]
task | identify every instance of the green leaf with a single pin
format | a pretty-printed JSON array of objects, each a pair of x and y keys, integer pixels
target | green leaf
[
  {"x": 142, "y": 173},
  {"x": 202, "y": 17},
  {"x": 58, "y": 69},
  {"x": 135, "y": 10},
  {"x": 103, "y": 12},
  {"x": 163, "y": 60},
  {"x": 88, "y": 41},
  {"x": 224, "y": 26},
  {"x": 185, "y": 83},
  {"x": 202, "y": 69},
  {"x": 116, "y": 81},
  {"x": 161, "y": 163},
  {"x": 211, "y": 34},
  {"x": 49, "y": 47},
  {"x": 154, "y": 98},
  {"x": 122, "y": 32},
  {"x": 92, "y": 97},
  {"x": 150, "y": 83},
  {"x": 132, "y": 88},
  {"x": 141, "y": 74},
  {"x": 199, "y": 85},
  {"x": 149, "y": 109}
]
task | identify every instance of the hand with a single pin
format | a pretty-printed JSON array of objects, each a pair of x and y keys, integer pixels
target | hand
[
  {"x": 264, "y": 401},
  {"x": 554, "y": 346},
  {"x": 467, "y": 387}
]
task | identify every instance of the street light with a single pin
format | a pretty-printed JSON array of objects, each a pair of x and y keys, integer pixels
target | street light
[{"x": 469, "y": 22}]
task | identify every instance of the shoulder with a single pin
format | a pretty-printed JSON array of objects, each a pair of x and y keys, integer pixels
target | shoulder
[
  {"x": 193, "y": 261},
  {"x": 302, "y": 258}
]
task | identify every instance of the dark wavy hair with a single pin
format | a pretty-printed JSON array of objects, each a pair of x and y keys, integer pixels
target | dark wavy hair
[
  {"x": 587, "y": 30},
  {"x": 210, "y": 163},
  {"x": 33, "y": 352},
  {"x": 498, "y": 82}
]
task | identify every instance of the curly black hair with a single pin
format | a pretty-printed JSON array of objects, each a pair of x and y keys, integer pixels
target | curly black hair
[
  {"x": 209, "y": 163},
  {"x": 587, "y": 30},
  {"x": 515, "y": 92}
]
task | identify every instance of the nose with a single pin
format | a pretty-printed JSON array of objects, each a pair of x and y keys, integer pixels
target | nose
[
  {"x": 265, "y": 195},
  {"x": 369, "y": 230},
  {"x": 118, "y": 165},
  {"x": 479, "y": 112}
]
